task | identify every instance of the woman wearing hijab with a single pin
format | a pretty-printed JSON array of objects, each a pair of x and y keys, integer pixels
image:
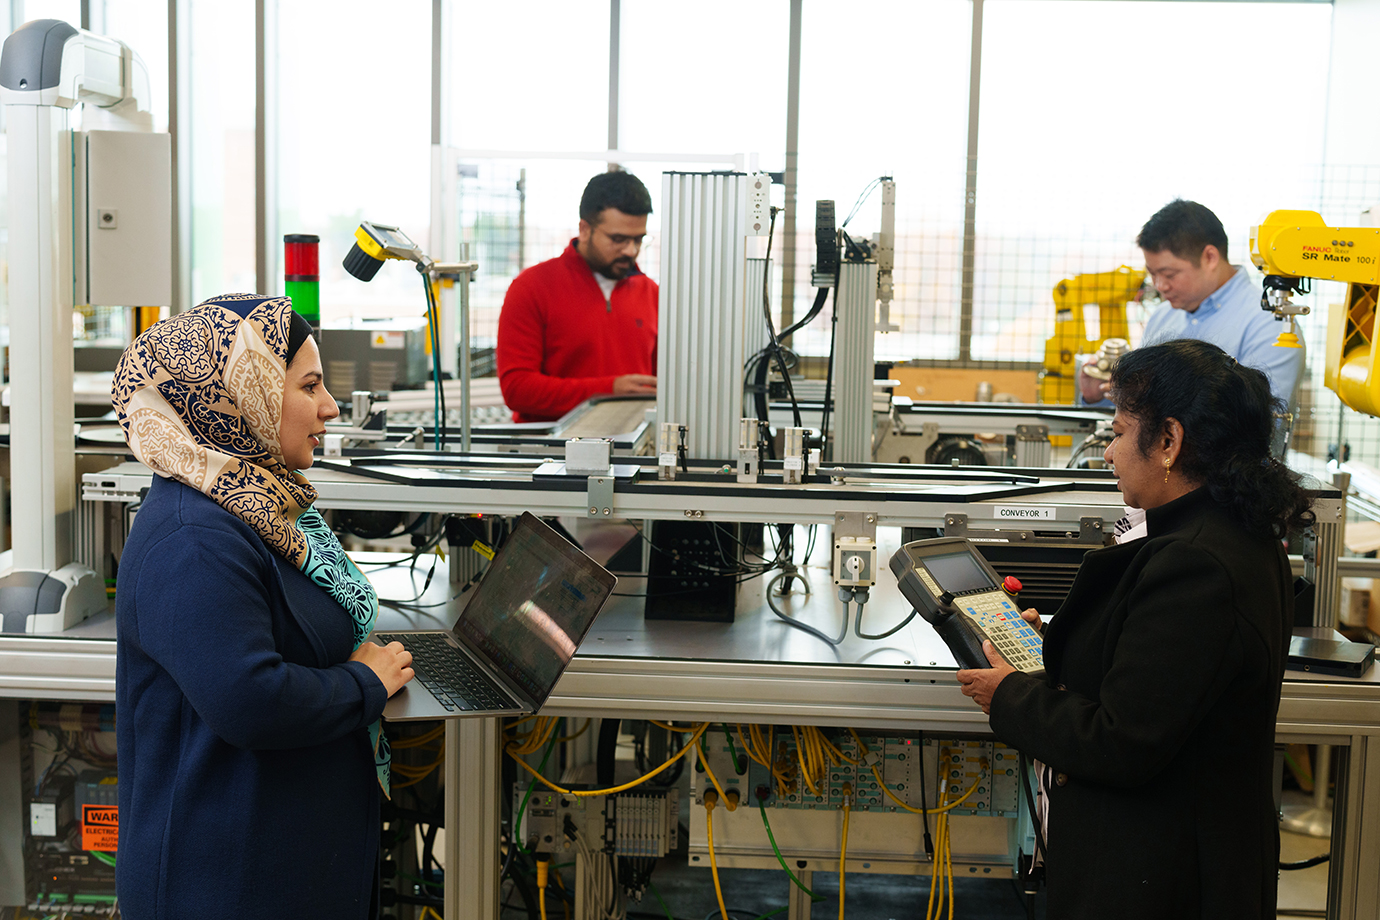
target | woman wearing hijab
[
  {"x": 248, "y": 701},
  {"x": 1155, "y": 719}
]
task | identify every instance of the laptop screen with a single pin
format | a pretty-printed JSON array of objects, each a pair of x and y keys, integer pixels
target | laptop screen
[{"x": 533, "y": 606}]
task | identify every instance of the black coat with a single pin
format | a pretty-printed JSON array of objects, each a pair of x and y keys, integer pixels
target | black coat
[{"x": 1164, "y": 667}]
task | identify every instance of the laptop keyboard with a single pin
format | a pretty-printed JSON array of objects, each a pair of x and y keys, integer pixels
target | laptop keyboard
[{"x": 452, "y": 678}]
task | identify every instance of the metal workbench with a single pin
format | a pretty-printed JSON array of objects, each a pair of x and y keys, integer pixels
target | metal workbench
[{"x": 755, "y": 669}]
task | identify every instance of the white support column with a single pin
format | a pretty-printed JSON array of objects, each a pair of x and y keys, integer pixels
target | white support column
[
  {"x": 1353, "y": 884},
  {"x": 42, "y": 445},
  {"x": 473, "y": 752}
]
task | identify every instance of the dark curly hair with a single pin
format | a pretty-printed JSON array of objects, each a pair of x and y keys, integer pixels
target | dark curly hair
[
  {"x": 1228, "y": 417},
  {"x": 617, "y": 189}
]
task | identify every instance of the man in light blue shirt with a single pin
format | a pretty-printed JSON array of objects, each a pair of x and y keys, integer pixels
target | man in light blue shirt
[{"x": 1185, "y": 250}]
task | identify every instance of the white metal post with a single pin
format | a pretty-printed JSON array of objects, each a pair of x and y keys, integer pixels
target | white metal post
[
  {"x": 473, "y": 754},
  {"x": 49, "y": 68},
  {"x": 42, "y": 445}
]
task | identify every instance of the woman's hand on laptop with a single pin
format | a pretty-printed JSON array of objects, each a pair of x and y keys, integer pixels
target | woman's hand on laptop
[{"x": 392, "y": 663}]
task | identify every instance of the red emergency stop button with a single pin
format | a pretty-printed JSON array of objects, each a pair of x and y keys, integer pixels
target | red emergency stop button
[{"x": 1011, "y": 584}]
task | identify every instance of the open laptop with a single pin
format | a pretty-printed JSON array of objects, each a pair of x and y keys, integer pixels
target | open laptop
[{"x": 515, "y": 637}]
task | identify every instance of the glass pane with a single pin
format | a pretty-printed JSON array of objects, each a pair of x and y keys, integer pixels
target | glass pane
[
  {"x": 1084, "y": 136},
  {"x": 886, "y": 94},
  {"x": 69, "y": 11},
  {"x": 519, "y": 210},
  {"x": 708, "y": 77},
  {"x": 358, "y": 151},
  {"x": 222, "y": 147},
  {"x": 531, "y": 75},
  {"x": 144, "y": 27}
]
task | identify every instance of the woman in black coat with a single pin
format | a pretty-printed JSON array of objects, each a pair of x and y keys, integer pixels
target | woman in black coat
[{"x": 1153, "y": 728}]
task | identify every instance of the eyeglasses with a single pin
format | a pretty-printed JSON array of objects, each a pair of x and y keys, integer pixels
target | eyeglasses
[{"x": 621, "y": 241}]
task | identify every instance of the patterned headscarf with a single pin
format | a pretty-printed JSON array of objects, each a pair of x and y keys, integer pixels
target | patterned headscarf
[{"x": 200, "y": 399}]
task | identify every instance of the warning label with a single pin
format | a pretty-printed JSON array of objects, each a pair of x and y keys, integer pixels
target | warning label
[{"x": 100, "y": 828}]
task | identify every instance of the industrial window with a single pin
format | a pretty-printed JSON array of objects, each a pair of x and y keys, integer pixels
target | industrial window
[
  {"x": 353, "y": 143},
  {"x": 1096, "y": 114},
  {"x": 220, "y": 86},
  {"x": 886, "y": 94}
]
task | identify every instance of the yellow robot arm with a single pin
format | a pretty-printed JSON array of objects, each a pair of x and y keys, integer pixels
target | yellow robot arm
[
  {"x": 1298, "y": 244},
  {"x": 1109, "y": 292},
  {"x": 1293, "y": 245}
]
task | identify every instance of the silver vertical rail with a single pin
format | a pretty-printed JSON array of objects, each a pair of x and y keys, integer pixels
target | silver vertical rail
[
  {"x": 703, "y": 326},
  {"x": 965, "y": 323},
  {"x": 615, "y": 36},
  {"x": 522, "y": 219},
  {"x": 437, "y": 68},
  {"x": 754, "y": 324},
  {"x": 853, "y": 362},
  {"x": 788, "y": 224},
  {"x": 473, "y": 755},
  {"x": 1328, "y": 532},
  {"x": 464, "y": 362}
]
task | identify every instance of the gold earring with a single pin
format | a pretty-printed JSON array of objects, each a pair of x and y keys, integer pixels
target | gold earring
[{"x": 1167, "y": 464}]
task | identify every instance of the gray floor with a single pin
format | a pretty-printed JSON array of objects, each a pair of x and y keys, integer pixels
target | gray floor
[{"x": 749, "y": 893}]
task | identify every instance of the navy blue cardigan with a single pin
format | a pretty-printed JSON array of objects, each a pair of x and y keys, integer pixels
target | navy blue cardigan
[{"x": 247, "y": 786}]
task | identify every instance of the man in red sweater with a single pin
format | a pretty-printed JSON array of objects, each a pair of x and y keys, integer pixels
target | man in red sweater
[{"x": 584, "y": 323}]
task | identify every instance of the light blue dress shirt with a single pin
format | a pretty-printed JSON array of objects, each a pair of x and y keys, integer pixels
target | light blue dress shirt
[{"x": 1231, "y": 318}]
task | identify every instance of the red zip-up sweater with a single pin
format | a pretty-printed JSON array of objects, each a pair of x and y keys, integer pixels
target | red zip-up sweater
[{"x": 560, "y": 342}]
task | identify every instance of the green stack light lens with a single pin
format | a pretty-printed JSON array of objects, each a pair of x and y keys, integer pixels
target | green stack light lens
[{"x": 306, "y": 299}]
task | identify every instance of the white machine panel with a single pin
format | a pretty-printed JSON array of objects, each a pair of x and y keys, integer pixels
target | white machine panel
[{"x": 129, "y": 219}]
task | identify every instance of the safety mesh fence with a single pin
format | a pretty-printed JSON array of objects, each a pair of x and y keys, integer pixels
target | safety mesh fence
[{"x": 1013, "y": 276}]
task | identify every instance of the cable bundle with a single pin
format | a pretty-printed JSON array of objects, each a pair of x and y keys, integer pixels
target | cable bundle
[
  {"x": 602, "y": 896},
  {"x": 411, "y": 774},
  {"x": 942, "y": 870}
]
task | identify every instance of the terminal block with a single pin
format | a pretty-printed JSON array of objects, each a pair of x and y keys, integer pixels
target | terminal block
[
  {"x": 988, "y": 770},
  {"x": 636, "y": 823},
  {"x": 792, "y": 784}
]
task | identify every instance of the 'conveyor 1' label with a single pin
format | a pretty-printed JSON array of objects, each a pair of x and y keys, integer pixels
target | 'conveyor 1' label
[{"x": 1022, "y": 513}]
